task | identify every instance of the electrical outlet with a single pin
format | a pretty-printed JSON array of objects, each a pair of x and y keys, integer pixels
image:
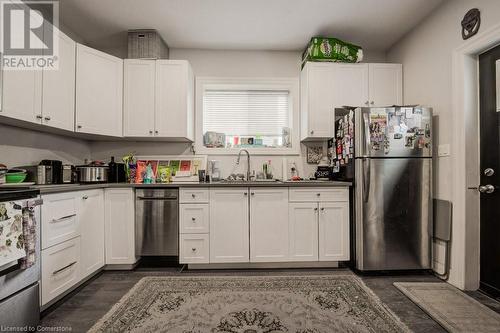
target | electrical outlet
[{"x": 444, "y": 150}]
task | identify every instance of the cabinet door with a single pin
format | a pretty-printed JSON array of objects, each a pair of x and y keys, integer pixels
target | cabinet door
[
  {"x": 120, "y": 226},
  {"x": 319, "y": 107},
  {"x": 386, "y": 84},
  {"x": 334, "y": 231},
  {"x": 58, "y": 97},
  {"x": 22, "y": 95},
  {"x": 350, "y": 85},
  {"x": 268, "y": 224},
  {"x": 99, "y": 90},
  {"x": 174, "y": 116},
  {"x": 92, "y": 227},
  {"x": 229, "y": 225},
  {"x": 303, "y": 231},
  {"x": 139, "y": 97}
]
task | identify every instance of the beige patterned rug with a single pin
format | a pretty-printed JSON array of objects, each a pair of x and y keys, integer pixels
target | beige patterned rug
[
  {"x": 250, "y": 304},
  {"x": 451, "y": 308}
]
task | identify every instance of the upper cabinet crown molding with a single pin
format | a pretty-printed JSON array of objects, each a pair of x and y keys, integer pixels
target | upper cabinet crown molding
[
  {"x": 99, "y": 92},
  {"x": 159, "y": 99},
  {"x": 326, "y": 86}
]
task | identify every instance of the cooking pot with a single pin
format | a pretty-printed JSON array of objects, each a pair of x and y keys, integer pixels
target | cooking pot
[{"x": 92, "y": 173}]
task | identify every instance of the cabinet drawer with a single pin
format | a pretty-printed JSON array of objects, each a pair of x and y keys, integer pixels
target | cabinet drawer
[
  {"x": 193, "y": 195},
  {"x": 194, "y": 218},
  {"x": 60, "y": 268},
  {"x": 194, "y": 248},
  {"x": 319, "y": 194},
  {"x": 59, "y": 218}
]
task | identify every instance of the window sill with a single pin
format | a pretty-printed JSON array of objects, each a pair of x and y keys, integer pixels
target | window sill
[{"x": 252, "y": 151}]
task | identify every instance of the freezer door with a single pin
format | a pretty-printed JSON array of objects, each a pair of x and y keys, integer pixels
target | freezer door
[
  {"x": 393, "y": 132},
  {"x": 393, "y": 213}
]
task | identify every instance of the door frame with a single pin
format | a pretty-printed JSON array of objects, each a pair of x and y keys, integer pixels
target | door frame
[{"x": 465, "y": 253}]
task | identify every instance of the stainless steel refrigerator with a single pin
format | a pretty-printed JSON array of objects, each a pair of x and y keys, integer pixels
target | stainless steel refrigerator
[{"x": 387, "y": 152}]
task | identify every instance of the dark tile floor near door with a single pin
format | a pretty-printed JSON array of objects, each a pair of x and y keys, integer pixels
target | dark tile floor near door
[{"x": 88, "y": 304}]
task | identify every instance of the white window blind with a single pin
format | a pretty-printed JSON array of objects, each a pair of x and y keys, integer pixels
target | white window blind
[{"x": 246, "y": 112}]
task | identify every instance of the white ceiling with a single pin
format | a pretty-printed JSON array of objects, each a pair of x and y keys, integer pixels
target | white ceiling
[{"x": 246, "y": 24}]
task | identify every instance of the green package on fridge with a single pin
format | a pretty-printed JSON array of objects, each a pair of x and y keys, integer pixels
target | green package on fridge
[{"x": 331, "y": 49}]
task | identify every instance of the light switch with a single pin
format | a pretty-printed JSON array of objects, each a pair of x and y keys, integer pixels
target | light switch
[{"x": 444, "y": 150}]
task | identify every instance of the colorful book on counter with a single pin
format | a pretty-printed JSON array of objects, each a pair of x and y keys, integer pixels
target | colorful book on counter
[{"x": 174, "y": 165}]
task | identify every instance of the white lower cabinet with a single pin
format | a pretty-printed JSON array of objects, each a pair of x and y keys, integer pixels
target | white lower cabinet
[
  {"x": 194, "y": 248},
  {"x": 60, "y": 220},
  {"x": 303, "y": 231},
  {"x": 60, "y": 268},
  {"x": 334, "y": 231},
  {"x": 92, "y": 231},
  {"x": 229, "y": 241},
  {"x": 268, "y": 224},
  {"x": 120, "y": 226}
]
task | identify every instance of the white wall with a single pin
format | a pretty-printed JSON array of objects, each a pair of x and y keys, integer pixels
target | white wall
[
  {"x": 26, "y": 147},
  {"x": 426, "y": 55}
]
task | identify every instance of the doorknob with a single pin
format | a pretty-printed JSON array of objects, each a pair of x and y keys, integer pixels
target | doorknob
[
  {"x": 486, "y": 189},
  {"x": 488, "y": 172}
]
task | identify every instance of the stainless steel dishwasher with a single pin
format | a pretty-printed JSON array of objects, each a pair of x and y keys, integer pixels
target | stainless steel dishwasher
[{"x": 157, "y": 222}]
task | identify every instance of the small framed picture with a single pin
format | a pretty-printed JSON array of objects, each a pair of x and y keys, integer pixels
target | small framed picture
[{"x": 314, "y": 154}]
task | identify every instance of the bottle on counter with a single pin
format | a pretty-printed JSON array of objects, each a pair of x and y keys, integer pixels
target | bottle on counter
[{"x": 112, "y": 170}]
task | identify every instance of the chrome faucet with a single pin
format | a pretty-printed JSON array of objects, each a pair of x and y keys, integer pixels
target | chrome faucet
[{"x": 248, "y": 162}]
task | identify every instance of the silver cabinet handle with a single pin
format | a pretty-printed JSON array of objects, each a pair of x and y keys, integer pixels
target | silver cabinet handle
[
  {"x": 366, "y": 103},
  {"x": 316, "y": 209},
  {"x": 193, "y": 195},
  {"x": 253, "y": 193},
  {"x": 322, "y": 208},
  {"x": 47, "y": 118},
  {"x": 318, "y": 194},
  {"x": 156, "y": 132},
  {"x": 193, "y": 219},
  {"x": 245, "y": 194},
  {"x": 64, "y": 268},
  {"x": 62, "y": 218},
  {"x": 78, "y": 126},
  {"x": 372, "y": 103},
  {"x": 193, "y": 249},
  {"x": 150, "y": 132},
  {"x": 312, "y": 132},
  {"x": 39, "y": 116},
  {"x": 85, "y": 197}
]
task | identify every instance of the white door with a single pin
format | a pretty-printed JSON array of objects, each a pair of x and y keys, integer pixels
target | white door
[
  {"x": 120, "y": 226},
  {"x": 229, "y": 239},
  {"x": 92, "y": 227},
  {"x": 320, "y": 108},
  {"x": 386, "y": 84},
  {"x": 268, "y": 224},
  {"x": 350, "y": 85},
  {"x": 22, "y": 95},
  {"x": 99, "y": 90},
  {"x": 334, "y": 231},
  {"x": 303, "y": 231},
  {"x": 58, "y": 97},
  {"x": 174, "y": 99},
  {"x": 139, "y": 97}
]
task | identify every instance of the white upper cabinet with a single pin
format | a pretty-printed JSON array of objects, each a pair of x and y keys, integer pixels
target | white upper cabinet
[
  {"x": 22, "y": 95},
  {"x": 139, "y": 97},
  {"x": 58, "y": 89},
  {"x": 386, "y": 84},
  {"x": 268, "y": 224},
  {"x": 229, "y": 225},
  {"x": 99, "y": 89},
  {"x": 174, "y": 101},
  {"x": 317, "y": 103},
  {"x": 326, "y": 86},
  {"x": 350, "y": 85}
]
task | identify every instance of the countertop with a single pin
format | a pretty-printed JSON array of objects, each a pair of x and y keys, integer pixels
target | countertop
[{"x": 45, "y": 189}]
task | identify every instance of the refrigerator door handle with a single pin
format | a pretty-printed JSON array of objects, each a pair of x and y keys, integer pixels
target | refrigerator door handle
[
  {"x": 366, "y": 179},
  {"x": 366, "y": 134}
]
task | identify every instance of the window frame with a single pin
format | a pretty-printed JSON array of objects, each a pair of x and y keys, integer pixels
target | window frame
[{"x": 238, "y": 83}]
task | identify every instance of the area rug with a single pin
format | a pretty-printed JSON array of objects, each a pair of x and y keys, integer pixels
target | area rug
[
  {"x": 250, "y": 304},
  {"x": 450, "y": 307}
]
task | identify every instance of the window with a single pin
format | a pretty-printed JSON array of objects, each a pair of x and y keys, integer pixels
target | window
[{"x": 256, "y": 114}]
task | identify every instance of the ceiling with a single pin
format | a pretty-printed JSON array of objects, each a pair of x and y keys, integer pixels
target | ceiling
[{"x": 246, "y": 24}]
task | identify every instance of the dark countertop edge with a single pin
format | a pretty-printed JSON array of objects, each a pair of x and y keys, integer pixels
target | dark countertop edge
[{"x": 47, "y": 189}]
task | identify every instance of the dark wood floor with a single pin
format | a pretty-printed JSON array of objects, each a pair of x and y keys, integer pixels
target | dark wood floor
[{"x": 81, "y": 309}]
